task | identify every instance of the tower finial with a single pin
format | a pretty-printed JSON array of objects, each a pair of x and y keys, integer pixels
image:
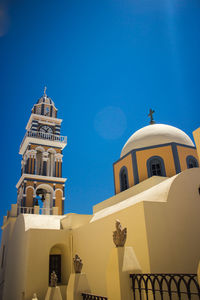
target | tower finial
[
  {"x": 45, "y": 88},
  {"x": 151, "y": 112}
]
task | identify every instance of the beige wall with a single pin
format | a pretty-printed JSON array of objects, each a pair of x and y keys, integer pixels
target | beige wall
[
  {"x": 27, "y": 267},
  {"x": 93, "y": 243},
  {"x": 164, "y": 236},
  {"x": 173, "y": 228}
]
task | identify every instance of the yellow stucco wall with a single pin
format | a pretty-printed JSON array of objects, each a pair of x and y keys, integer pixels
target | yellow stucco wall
[
  {"x": 164, "y": 152},
  {"x": 163, "y": 240},
  {"x": 183, "y": 152},
  {"x": 127, "y": 162},
  {"x": 93, "y": 243},
  {"x": 173, "y": 227},
  {"x": 27, "y": 269},
  {"x": 196, "y": 135}
]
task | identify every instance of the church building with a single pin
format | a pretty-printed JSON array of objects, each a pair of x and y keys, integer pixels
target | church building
[{"x": 157, "y": 198}]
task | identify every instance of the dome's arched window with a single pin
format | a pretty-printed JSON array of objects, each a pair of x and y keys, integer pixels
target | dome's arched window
[
  {"x": 155, "y": 166},
  {"x": 123, "y": 179},
  {"x": 191, "y": 162}
]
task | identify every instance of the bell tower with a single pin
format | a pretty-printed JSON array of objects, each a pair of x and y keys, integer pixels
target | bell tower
[{"x": 41, "y": 179}]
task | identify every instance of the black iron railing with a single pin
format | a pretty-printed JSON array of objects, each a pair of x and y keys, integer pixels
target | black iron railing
[
  {"x": 165, "y": 286},
  {"x": 93, "y": 297}
]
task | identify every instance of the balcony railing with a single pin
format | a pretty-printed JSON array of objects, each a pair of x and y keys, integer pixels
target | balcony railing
[
  {"x": 35, "y": 210},
  {"x": 45, "y": 136},
  {"x": 165, "y": 286},
  {"x": 93, "y": 297}
]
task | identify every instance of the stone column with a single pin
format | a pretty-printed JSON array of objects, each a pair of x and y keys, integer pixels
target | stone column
[
  {"x": 33, "y": 155},
  {"x": 122, "y": 262},
  {"x": 24, "y": 194},
  {"x": 22, "y": 167},
  {"x": 78, "y": 282},
  {"x": 44, "y": 159}
]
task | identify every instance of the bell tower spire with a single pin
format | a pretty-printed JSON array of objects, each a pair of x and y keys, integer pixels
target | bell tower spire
[{"x": 41, "y": 180}]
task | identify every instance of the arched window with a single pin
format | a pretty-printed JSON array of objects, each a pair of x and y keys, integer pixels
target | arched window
[
  {"x": 155, "y": 166},
  {"x": 191, "y": 162},
  {"x": 123, "y": 179},
  {"x": 55, "y": 263}
]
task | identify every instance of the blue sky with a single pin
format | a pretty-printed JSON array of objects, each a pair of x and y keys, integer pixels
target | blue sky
[{"x": 105, "y": 63}]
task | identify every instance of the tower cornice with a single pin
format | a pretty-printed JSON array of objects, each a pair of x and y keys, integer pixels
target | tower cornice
[
  {"x": 40, "y": 178},
  {"x": 33, "y": 137}
]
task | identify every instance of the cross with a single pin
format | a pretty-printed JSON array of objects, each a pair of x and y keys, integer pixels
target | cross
[
  {"x": 151, "y": 112},
  {"x": 45, "y": 88}
]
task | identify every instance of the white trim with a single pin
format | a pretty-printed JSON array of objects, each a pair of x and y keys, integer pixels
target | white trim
[
  {"x": 45, "y": 185},
  {"x": 40, "y": 148},
  {"x": 43, "y": 118},
  {"x": 33, "y": 140},
  {"x": 29, "y": 186},
  {"x": 51, "y": 150},
  {"x": 30, "y": 153},
  {"x": 39, "y": 177},
  {"x": 59, "y": 190}
]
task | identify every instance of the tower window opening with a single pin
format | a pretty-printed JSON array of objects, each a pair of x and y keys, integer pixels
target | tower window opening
[{"x": 124, "y": 179}]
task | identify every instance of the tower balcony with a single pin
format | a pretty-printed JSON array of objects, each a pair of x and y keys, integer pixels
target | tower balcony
[{"x": 42, "y": 138}]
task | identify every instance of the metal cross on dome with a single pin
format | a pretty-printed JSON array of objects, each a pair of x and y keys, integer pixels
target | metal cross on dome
[
  {"x": 45, "y": 88},
  {"x": 151, "y": 112}
]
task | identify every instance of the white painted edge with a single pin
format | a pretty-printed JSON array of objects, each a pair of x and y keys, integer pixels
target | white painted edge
[
  {"x": 44, "y": 142},
  {"x": 40, "y": 177}
]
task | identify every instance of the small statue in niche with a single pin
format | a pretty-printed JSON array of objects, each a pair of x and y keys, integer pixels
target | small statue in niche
[
  {"x": 35, "y": 297},
  {"x": 77, "y": 264},
  {"x": 54, "y": 279},
  {"x": 119, "y": 235}
]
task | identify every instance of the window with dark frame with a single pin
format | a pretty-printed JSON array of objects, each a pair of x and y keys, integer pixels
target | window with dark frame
[
  {"x": 155, "y": 168},
  {"x": 124, "y": 180},
  {"x": 192, "y": 163},
  {"x": 55, "y": 265}
]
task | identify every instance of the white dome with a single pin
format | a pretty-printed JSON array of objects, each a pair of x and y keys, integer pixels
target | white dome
[{"x": 156, "y": 134}]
